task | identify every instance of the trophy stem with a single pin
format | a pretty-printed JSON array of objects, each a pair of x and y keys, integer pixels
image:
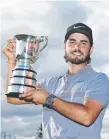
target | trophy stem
[{"x": 24, "y": 63}]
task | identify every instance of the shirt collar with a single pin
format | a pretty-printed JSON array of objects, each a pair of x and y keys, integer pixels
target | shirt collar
[{"x": 85, "y": 70}]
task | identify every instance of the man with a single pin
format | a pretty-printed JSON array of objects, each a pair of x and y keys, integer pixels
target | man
[{"x": 74, "y": 103}]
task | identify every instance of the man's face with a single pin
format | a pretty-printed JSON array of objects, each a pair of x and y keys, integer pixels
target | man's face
[{"x": 77, "y": 49}]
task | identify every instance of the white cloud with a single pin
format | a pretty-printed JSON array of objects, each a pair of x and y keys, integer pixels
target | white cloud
[
  {"x": 36, "y": 28},
  {"x": 25, "y": 126},
  {"x": 18, "y": 121},
  {"x": 5, "y": 3},
  {"x": 26, "y": 17},
  {"x": 18, "y": 9},
  {"x": 19, "y": 6},
  {"x": 25, "y": 7},
  {"x": 98, "y": 20}
]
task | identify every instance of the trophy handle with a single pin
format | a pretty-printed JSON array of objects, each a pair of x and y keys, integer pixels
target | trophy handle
[{"x": 46, "y": 42}]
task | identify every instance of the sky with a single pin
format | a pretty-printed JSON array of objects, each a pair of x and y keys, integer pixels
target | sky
[{"x": 49, "y": 18}]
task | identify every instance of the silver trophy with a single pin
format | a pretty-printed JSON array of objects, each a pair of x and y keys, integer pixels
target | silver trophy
[{"x": 27, "y": 51}]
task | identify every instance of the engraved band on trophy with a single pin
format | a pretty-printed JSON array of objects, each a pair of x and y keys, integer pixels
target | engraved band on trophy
[{"x": 27, "y": 51}]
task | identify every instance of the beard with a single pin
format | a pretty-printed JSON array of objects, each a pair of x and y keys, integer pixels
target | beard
[{"x": 77, "y": 60}]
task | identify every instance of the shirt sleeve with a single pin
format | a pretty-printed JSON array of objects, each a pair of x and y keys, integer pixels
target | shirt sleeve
[
  {"x": 42, "y": 83},
  {"x": 98, "y": 89},
  {"x": 49, "y": 84}
]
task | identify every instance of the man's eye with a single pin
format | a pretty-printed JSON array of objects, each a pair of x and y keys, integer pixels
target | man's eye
[
  {"x": 72, "y": 42},
  {"x": 84, "y": 43}
]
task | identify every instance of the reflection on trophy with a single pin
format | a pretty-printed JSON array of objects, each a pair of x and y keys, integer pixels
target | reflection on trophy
[{"x": 27, "y": 51}]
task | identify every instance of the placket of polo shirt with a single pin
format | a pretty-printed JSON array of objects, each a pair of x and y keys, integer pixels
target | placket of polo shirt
[{"x": 68, "y": 82}]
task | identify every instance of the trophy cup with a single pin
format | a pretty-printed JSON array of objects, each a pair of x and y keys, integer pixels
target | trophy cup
[{"x": 27, "y": 51}]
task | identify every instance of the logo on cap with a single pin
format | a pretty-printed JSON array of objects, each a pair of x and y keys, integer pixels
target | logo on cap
[{"x": 78, "y": 27}]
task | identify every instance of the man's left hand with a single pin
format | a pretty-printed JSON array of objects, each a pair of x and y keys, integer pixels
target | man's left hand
[{"x": 37, "y": 96}]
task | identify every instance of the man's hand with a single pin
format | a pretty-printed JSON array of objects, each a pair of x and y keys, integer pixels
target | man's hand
[{"x": 37, "y": 96}]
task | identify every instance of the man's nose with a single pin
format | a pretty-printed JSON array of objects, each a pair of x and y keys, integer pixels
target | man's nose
[{"x": 77, "y": 46}]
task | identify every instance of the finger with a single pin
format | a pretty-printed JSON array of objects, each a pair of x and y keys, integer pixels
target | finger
[
  {"x": 11, "y": 43},
  {"x": 28, "y": 94},
  {"x": 7, "y": 49},
  {"x": 24, "y": 95},
  {"x": 29, "y": 98},
  {"x": 38, "y": 86}
]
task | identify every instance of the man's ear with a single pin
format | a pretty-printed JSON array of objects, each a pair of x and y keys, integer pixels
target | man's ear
[
  {"x": 91, "y": 49},
  {"x": 64, "y": 44}
]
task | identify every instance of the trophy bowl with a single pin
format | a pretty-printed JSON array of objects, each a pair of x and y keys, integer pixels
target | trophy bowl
[{"x": 27, "y": 51}]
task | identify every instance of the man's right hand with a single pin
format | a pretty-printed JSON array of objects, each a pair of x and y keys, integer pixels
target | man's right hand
[{"x": 9, "y": 49}]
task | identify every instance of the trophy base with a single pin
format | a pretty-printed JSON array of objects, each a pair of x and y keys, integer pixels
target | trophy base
[
  {"x": 13, "y": 94},
  {"x": 22, "y": 80},
  {"x": 14, "y": 90}
]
